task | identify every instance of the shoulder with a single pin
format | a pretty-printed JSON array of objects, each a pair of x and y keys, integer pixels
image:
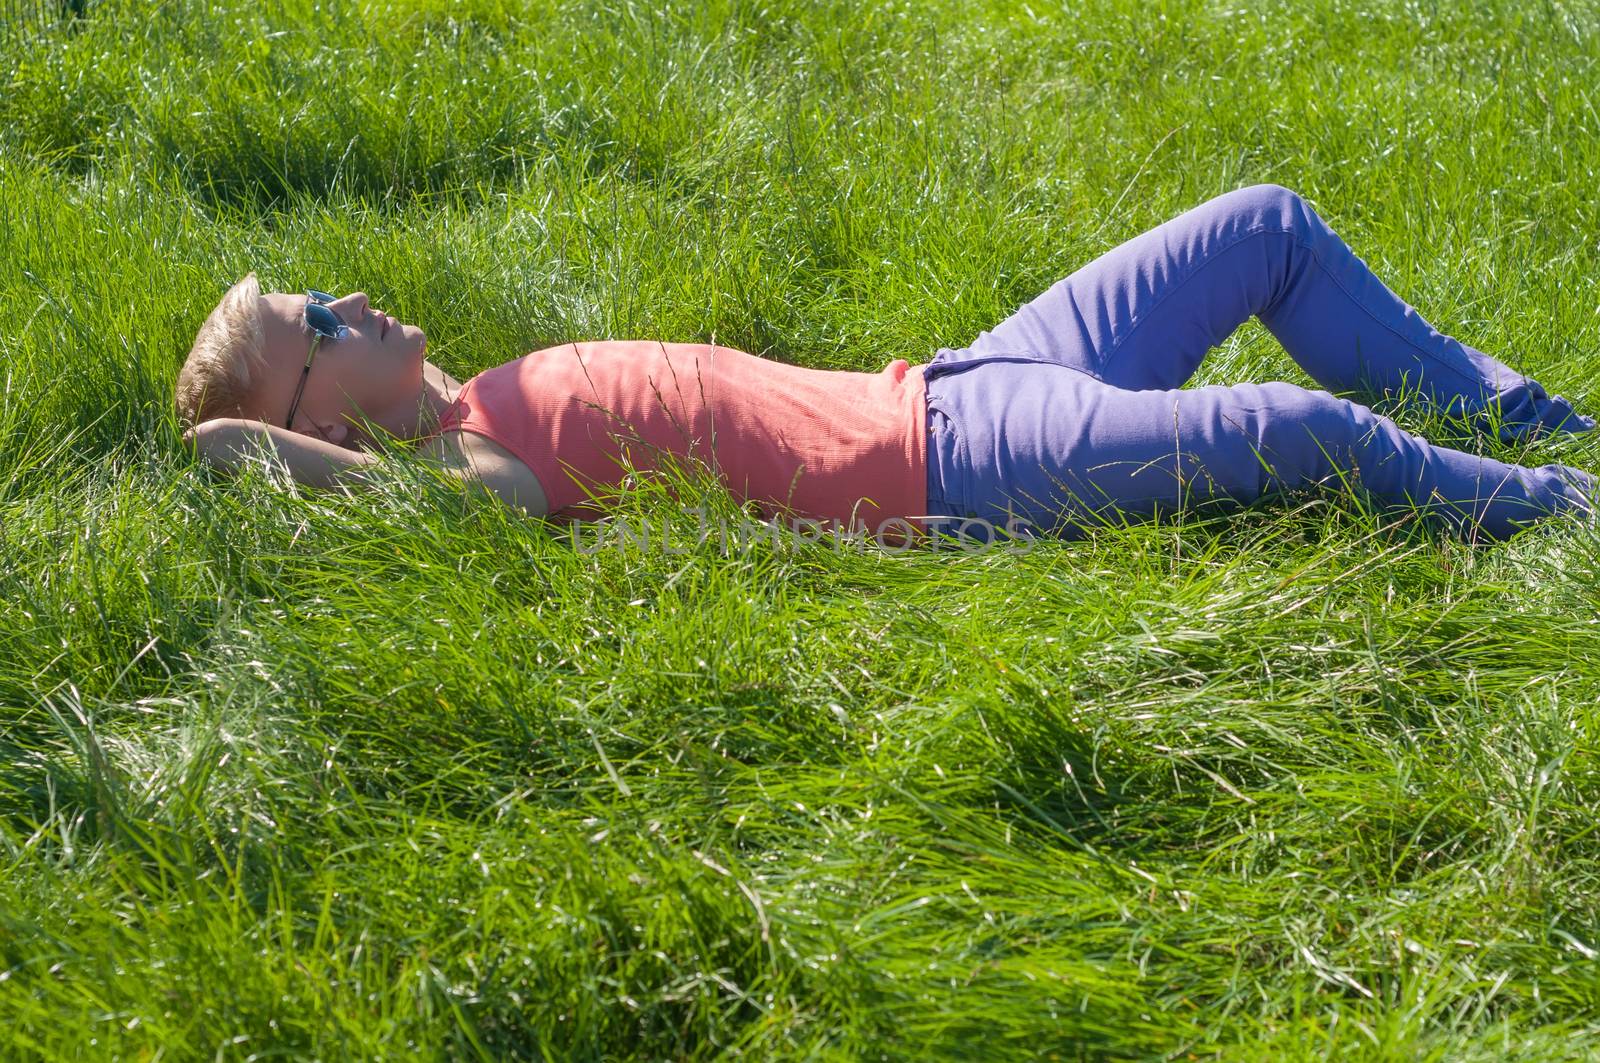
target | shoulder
[
  {"x": 455, "y": 446},
  {"x": 481, "y": 458}
]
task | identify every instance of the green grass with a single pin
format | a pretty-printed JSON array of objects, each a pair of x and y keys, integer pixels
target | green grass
[{"x": 288, "y": 774}]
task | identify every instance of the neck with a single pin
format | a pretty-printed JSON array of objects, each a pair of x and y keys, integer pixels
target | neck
[
  {"x": 439, "y": 391},
  {"x": 423, "y": 414},
  {"x": 418, "y": 417}
]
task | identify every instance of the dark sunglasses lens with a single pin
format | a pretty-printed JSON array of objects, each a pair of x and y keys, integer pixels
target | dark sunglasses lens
[
  {"x": 319, "y": 297},
  {"x": 322, "y": 319}
]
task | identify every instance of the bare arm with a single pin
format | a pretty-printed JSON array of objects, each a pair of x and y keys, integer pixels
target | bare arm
[
  {"x": 227, "y": 442},
  {"x": 481, "y": 459}
]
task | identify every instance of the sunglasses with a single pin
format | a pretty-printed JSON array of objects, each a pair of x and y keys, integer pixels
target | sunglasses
[{"x": 326, "y": 324}]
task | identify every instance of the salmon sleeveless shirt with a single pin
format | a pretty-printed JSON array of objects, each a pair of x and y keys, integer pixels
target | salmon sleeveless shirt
[{"x": 820, "y": 442}]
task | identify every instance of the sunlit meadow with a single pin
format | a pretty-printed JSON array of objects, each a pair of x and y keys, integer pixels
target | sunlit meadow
[{"x": 299, "y": 774}]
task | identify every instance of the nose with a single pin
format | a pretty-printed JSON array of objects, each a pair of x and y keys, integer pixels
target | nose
[{"x": 352, "y": 307}]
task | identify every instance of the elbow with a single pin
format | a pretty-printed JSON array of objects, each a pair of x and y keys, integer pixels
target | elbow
[
  {"x": 201, "y": 438},
  {"x": 210, "y": 430},
  {"x": 220, "y": 441},
  {"x": 205, "y": 436}
]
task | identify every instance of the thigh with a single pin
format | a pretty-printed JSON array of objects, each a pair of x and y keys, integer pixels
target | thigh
[
  {"x": 1060, "y": 326},
  {"x": 1144, "y": 314},
  {"x": 1062, "y": 451}
]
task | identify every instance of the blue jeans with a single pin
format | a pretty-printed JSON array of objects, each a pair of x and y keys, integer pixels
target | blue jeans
[{"x": 1070, "y": 413}]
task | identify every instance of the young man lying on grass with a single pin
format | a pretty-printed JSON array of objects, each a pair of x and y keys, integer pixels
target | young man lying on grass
[
  {"x": 255, "y": 353},
  {"x": 1067, "y": 413}
]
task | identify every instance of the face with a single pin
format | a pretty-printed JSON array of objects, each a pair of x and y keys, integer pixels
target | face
[{"x": 374, "y": 371}]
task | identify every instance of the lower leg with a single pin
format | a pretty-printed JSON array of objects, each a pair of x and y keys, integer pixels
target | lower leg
[{"x": 1350, "y": 332}]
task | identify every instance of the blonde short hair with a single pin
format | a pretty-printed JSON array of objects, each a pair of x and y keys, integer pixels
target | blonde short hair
[{"x": 221, "y": 368}]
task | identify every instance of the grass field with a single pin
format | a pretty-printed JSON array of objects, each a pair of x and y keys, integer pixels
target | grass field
[{"x": 289, "y": 774}]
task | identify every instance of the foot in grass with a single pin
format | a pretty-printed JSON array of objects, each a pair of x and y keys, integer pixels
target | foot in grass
[{"x": 1528, "y": 412}]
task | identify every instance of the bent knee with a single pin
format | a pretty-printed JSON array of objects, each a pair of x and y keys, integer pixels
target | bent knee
[{"x": 1272, "y": 206}]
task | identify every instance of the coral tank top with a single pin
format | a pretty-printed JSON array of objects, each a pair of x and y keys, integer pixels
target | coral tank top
[{"x": 821, "y": 442}]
